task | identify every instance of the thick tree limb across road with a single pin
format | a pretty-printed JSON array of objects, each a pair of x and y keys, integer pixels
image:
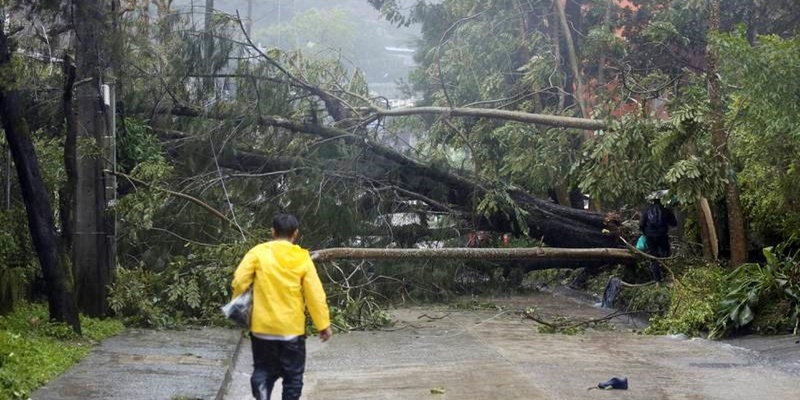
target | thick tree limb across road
[{"x": 611, "y": 255}]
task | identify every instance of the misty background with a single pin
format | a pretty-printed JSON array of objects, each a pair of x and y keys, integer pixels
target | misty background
[{"x": 350, "y": 30}]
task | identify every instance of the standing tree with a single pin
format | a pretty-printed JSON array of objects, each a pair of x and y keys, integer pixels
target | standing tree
[
  {"x": 37, "y": 202},
  {"x": 719, "y": 138}
]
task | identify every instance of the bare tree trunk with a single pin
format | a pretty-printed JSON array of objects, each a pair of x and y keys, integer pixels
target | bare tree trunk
[
  {"x": 67, "y": 192},
  {"x": 719, "y": 138},
  {"x": 708, "y": 232},
  {"x": 90, "y": 260},
  {"x": 37, "y": 200},
  {"x": 555, "y": 34},
  {"x": 572, "y": 54}
]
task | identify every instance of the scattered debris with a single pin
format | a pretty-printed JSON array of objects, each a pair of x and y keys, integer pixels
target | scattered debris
[
  {"x": 614, "y": 383},
  {"x": 438, "y": 390}
]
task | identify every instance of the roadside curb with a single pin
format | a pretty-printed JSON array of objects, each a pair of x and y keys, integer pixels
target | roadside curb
[{"x": 226, "y": 382}]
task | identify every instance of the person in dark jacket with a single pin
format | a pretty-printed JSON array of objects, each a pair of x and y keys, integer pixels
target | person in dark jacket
[{"x": 654, "y": 224}]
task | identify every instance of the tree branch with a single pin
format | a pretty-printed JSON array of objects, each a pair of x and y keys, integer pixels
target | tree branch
[
  {"x": 213, "y": 211},
  {"x": 519, "y": 116}
]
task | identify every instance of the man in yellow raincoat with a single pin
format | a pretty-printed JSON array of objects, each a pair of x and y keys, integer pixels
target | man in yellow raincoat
[{"x": 284, "y": 282}]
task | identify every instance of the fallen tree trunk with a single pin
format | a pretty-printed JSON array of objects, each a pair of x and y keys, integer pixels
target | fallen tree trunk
[{"x": 610, "y": 255}]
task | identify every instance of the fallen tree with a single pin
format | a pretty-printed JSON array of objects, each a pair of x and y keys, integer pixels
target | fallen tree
[{"x": 555, "y": 225}]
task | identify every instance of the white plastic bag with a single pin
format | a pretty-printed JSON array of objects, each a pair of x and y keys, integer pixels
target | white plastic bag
[{"x": 240, "y": 308}]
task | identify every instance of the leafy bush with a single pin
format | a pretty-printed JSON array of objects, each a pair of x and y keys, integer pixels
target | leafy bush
[
  {"x": 762, "y": 289},
  {"x": 33, "y": 350},
  {"x": 694, "y": 303},
  {"x": 190, "y": 290}
]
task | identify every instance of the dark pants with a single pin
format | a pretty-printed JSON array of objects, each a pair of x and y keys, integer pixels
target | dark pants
[
  {"x": 657, "y": 246},
  {"x": 273, "y": 359}
]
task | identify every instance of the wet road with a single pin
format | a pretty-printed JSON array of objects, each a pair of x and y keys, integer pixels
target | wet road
[
  {"x": 490, "y": 354},
  {"x": 149, "y": 364}
]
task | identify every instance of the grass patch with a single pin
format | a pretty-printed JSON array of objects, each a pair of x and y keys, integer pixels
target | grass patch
[{"x": 34, "y": 351}]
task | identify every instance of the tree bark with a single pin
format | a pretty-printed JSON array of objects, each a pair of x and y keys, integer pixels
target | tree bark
[
  {"x": 90, "y": 260},
  {"x": 67, "y": 198},
  {"x": 37, "y": 200},
  {"x": 708, "y": 230},
  {"x": 719, "y": 138}
]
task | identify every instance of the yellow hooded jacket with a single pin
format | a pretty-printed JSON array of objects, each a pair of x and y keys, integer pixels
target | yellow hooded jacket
[{"x": 283, "y": 278}]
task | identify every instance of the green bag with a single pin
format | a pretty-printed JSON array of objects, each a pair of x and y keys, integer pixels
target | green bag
[{"x": 641, "y": 244}]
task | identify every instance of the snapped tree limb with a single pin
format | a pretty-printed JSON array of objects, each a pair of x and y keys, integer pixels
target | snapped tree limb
[{"x": 519, "y": 116}]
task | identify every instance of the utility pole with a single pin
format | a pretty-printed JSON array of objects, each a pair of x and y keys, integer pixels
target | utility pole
[{"x": 91, "y": 259}]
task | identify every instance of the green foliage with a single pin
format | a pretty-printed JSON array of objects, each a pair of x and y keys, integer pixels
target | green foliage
[
  {"x": 694, "y": 303},
  {"x": 534, "y": 158},
  {"x": 357, "y": 313},
  {"x": 753, "y": 288},
  {"x": 137, "y": 144},
  {"x": 499, "y": 201},
  {"x": 620, "y": 166},
  {"x": 190, "y": 290},
  {"x": 139, "y": 209},
  {"x": 33, "y": 350},
  {"x": 17, "y": 263},
  {"x": 765, "y": 119}
]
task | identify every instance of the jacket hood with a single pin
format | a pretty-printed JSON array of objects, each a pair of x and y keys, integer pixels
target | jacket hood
[{"x": 288, "y": 254}]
